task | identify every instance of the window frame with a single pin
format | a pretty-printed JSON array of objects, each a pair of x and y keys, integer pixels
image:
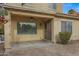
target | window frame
[
  {"x": 53, "y": 6},
  {"x": 27, "y": 33},
  {"x": 66, "y": 26}
]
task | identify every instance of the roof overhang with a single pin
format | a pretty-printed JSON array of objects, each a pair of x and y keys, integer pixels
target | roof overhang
[
  {"x": 61, "y": 15},
  {"x": 26, "y": 10},
  {"x": 58, "y": 15}
]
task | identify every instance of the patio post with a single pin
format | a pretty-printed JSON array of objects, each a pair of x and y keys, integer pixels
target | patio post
[
  {"x": 7, "y": 32},
  {"x": 52, "y": 30}
]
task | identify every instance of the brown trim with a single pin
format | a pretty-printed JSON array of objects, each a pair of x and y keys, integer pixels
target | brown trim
[
  {"x": 67, "y": 17},
  {"x": 61, "y": 15}
]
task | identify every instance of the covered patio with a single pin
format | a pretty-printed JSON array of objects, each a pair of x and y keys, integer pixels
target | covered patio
[{"x": 43, "y": 22}]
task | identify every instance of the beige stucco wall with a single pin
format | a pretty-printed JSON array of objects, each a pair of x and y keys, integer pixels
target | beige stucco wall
[
  {"x": 75, "y": 33},
  {"x": 26, "y": 37},
  {"x": 75, "y": 27}
]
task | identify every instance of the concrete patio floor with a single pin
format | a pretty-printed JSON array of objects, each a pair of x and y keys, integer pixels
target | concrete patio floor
[{"x": 71, "y": 49}]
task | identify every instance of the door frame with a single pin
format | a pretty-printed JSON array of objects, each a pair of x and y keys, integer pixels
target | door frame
[
  {"x": 2, "y": 39},
  {"x": 48, "y": 31}
]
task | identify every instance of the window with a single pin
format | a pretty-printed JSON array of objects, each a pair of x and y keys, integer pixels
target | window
[
  {"x": 66, "y": 26},
  {"x": 52, "y": 6},
  {"x": 26, "y": 28}
]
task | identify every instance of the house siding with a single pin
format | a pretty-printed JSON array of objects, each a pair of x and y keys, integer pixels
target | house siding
[
  {"x": 75, "y": 28},
  {"x": 27, "y": 37}
]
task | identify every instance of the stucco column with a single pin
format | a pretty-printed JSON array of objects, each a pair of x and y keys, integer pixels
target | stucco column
[
  {"x": 7, "y": 32},
  {"x": 56, "y": 29},
  {"x": 52, "y": 30}
]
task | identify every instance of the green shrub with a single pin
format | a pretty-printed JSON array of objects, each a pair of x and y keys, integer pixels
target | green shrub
[{"x": 64, "y": 37}]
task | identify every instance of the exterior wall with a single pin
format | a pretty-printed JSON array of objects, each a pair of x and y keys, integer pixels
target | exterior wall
[
  {"x": 75, "y": 28},
  {"x": 45, "y": 7},
  {"x": 26, "y": 37},
  {"x": 75, "y": 33}
]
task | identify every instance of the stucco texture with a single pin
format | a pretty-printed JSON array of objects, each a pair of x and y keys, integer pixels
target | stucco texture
[
  {"x": 75, "y": 27},
  {"x": 26, "y": 37}
]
